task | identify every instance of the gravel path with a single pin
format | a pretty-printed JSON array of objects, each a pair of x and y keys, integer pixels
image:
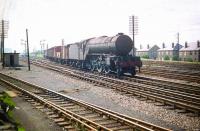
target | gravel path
[{"x": 107, "y": 98}]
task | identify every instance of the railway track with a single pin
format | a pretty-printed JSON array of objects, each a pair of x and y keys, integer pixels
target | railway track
[
  {"x": 189, "y": 102},
  {"x": 173, "y": 64},
  {"x": 174, "y": 70},
  {"x": 164, "y": 84},
  {"x": 73, "y": 114},
  {"x": 153, "y": 93},
  {"x": 172, "y": 74}
]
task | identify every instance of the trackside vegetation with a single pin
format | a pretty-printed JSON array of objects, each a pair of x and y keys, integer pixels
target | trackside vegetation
[{"x": 6, "y": 112}]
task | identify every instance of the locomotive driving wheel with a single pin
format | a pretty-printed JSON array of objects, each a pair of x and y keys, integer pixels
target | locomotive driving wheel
[
  {"x": 133, "y": 72},
  {"x": 107, "y": 69},
  {"x": 88, "y": 66},
  {"x": 119, "y": 72},
  {"x": 93, "y": 67},
  {"x": 100, "y": 69}
]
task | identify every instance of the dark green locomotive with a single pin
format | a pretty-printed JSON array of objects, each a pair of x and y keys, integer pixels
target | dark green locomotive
[{"x": 103, "y": 54}]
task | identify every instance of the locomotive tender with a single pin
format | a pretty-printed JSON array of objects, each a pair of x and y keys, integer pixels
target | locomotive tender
[{"x": 103, "y": 54}]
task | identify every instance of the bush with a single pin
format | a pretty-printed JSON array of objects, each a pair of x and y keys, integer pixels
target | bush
[
  {"x": 166, "y": 57},
  {"x": 145, "y": 56},
  {"x": 37, "y": 54},
  {"x": 189, "y": 59},
  {"x": 6, "y": 106},
  {"x": 175, "y": 58}
]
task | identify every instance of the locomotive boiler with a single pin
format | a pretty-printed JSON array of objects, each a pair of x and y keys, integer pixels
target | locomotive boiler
[
  {"x": 103, "y": 54},
  {"x": 118, "y": 45}
]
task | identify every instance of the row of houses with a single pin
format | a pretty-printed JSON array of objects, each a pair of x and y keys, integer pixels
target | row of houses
[{"x": 188, "y": 52}]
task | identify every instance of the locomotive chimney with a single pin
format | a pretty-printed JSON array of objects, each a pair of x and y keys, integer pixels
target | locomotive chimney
[
  {"x": 163, "y": 45},
  {"x": 172, "y": 45},
  {"x": 198, "y": 43},
  {"x": 147, "y": 46},
  {"x": 186, "y": 44},
  {"x": 120, "y": 33}
]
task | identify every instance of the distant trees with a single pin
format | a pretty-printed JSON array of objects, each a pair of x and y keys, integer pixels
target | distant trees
[{"x": 37, "y": 54}]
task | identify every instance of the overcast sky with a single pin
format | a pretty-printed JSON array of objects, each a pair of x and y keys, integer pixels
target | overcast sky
[{"x": 75, "y": 20}]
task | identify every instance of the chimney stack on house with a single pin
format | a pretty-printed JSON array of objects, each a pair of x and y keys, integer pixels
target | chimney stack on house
[
  {"x": 140, "y": 46},
  {"x": 163, "y": 45},
  {"x": 147, "y": 46},
  {"x": 186, "y": 44},
  {"x": 62, "y": 49},
  {"x": 172, "y": 45},
  {"x": 198, "y": 44}
]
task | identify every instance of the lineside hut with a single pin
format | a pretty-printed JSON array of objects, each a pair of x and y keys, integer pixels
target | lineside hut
[{"x": 11, "y": 59}]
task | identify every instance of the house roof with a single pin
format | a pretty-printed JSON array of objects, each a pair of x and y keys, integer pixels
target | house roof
[
  {"x": 191, "y": 46},
  {"x": 170, "y": 48},
  {"x": 147, "y": 49}
]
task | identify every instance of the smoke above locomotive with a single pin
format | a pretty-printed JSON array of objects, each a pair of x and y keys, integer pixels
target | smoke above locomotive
[{"x": 119, "y": 45}]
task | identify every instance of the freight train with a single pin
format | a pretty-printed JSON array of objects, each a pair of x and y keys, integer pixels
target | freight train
[{"x": 103, "y": 54}]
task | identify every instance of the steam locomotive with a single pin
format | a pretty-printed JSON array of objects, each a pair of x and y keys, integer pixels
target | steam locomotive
[{"x": 103, "y": 54}]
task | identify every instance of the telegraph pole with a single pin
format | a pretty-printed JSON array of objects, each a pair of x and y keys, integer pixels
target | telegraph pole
[
  {"x": 62, "y": 49},
  {"x": 133, "y": 34},
  {"x": 42, "y": 46},
  {"x": 4, "y": 32},
  {"x": 133, "y": 29},
  {"x": 178, "y": 37},
  {"x": 178, "y": 45},
  {"x": 29, "y": 68},
  {"x": 46, "y": 50},
  {"x": 3, "y": 61},
  {"x": 2, "y": 45}
]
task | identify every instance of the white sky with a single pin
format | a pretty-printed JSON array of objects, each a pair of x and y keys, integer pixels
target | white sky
[{"x": 75, "y": 20}]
